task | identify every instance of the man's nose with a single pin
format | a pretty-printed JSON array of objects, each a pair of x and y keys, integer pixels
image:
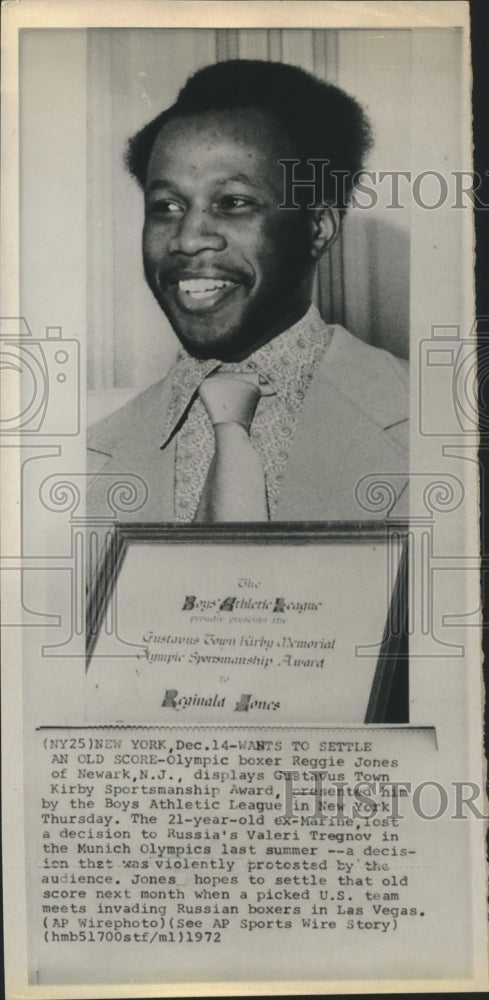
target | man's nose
[{"x": 197, "y": 231}]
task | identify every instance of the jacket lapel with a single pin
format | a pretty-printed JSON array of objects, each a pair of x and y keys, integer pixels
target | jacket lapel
[
  {"x": 352, "y": 425},
  {"x": 129, "y": 444}
]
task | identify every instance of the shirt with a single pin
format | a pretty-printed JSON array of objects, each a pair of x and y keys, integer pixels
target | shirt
[{"x": 285, "y": 367}]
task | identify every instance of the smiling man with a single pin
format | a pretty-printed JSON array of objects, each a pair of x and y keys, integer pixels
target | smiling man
[
  {"x": 268, "y": 412},
  {"x": 230, "y": 269}
]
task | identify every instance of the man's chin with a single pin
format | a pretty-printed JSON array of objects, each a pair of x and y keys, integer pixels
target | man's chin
[
  {"x": 225, "y": 348},
  {"x": 227, "y": 333},
  {"x": 210, "y": 336}
]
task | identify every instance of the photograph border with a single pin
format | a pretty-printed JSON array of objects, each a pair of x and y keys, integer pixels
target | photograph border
[{"x": 65, "y": 15}]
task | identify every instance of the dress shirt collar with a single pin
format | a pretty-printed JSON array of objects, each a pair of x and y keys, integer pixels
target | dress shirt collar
[{"x": 285, "y": 364}]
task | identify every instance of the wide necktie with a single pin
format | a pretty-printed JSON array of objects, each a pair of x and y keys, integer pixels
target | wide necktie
[{"x": 234, "y": 489}]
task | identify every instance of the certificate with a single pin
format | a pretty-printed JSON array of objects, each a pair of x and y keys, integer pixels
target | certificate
[{"x": 182, "y": 626}]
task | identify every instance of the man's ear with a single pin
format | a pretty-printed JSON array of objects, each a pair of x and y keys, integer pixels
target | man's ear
[{"x": 325, "y": 226}]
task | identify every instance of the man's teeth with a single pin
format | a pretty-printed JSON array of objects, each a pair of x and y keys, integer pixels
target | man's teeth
[{"x": 202, "y": 287}]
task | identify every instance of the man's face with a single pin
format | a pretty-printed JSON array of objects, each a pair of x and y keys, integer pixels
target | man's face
[{"x": 228, "y": 267}]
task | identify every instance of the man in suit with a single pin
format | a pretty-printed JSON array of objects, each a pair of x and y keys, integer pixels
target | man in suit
[{"x": 230, "y": 256}]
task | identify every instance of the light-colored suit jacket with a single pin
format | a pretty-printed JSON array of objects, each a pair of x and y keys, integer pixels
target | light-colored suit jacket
[{"x": 352, "y": 432}]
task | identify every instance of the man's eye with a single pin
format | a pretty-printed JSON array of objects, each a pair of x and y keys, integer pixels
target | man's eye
[
  {"x": 164, "y": 207},
  {"x": 236, "y": 203}
]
